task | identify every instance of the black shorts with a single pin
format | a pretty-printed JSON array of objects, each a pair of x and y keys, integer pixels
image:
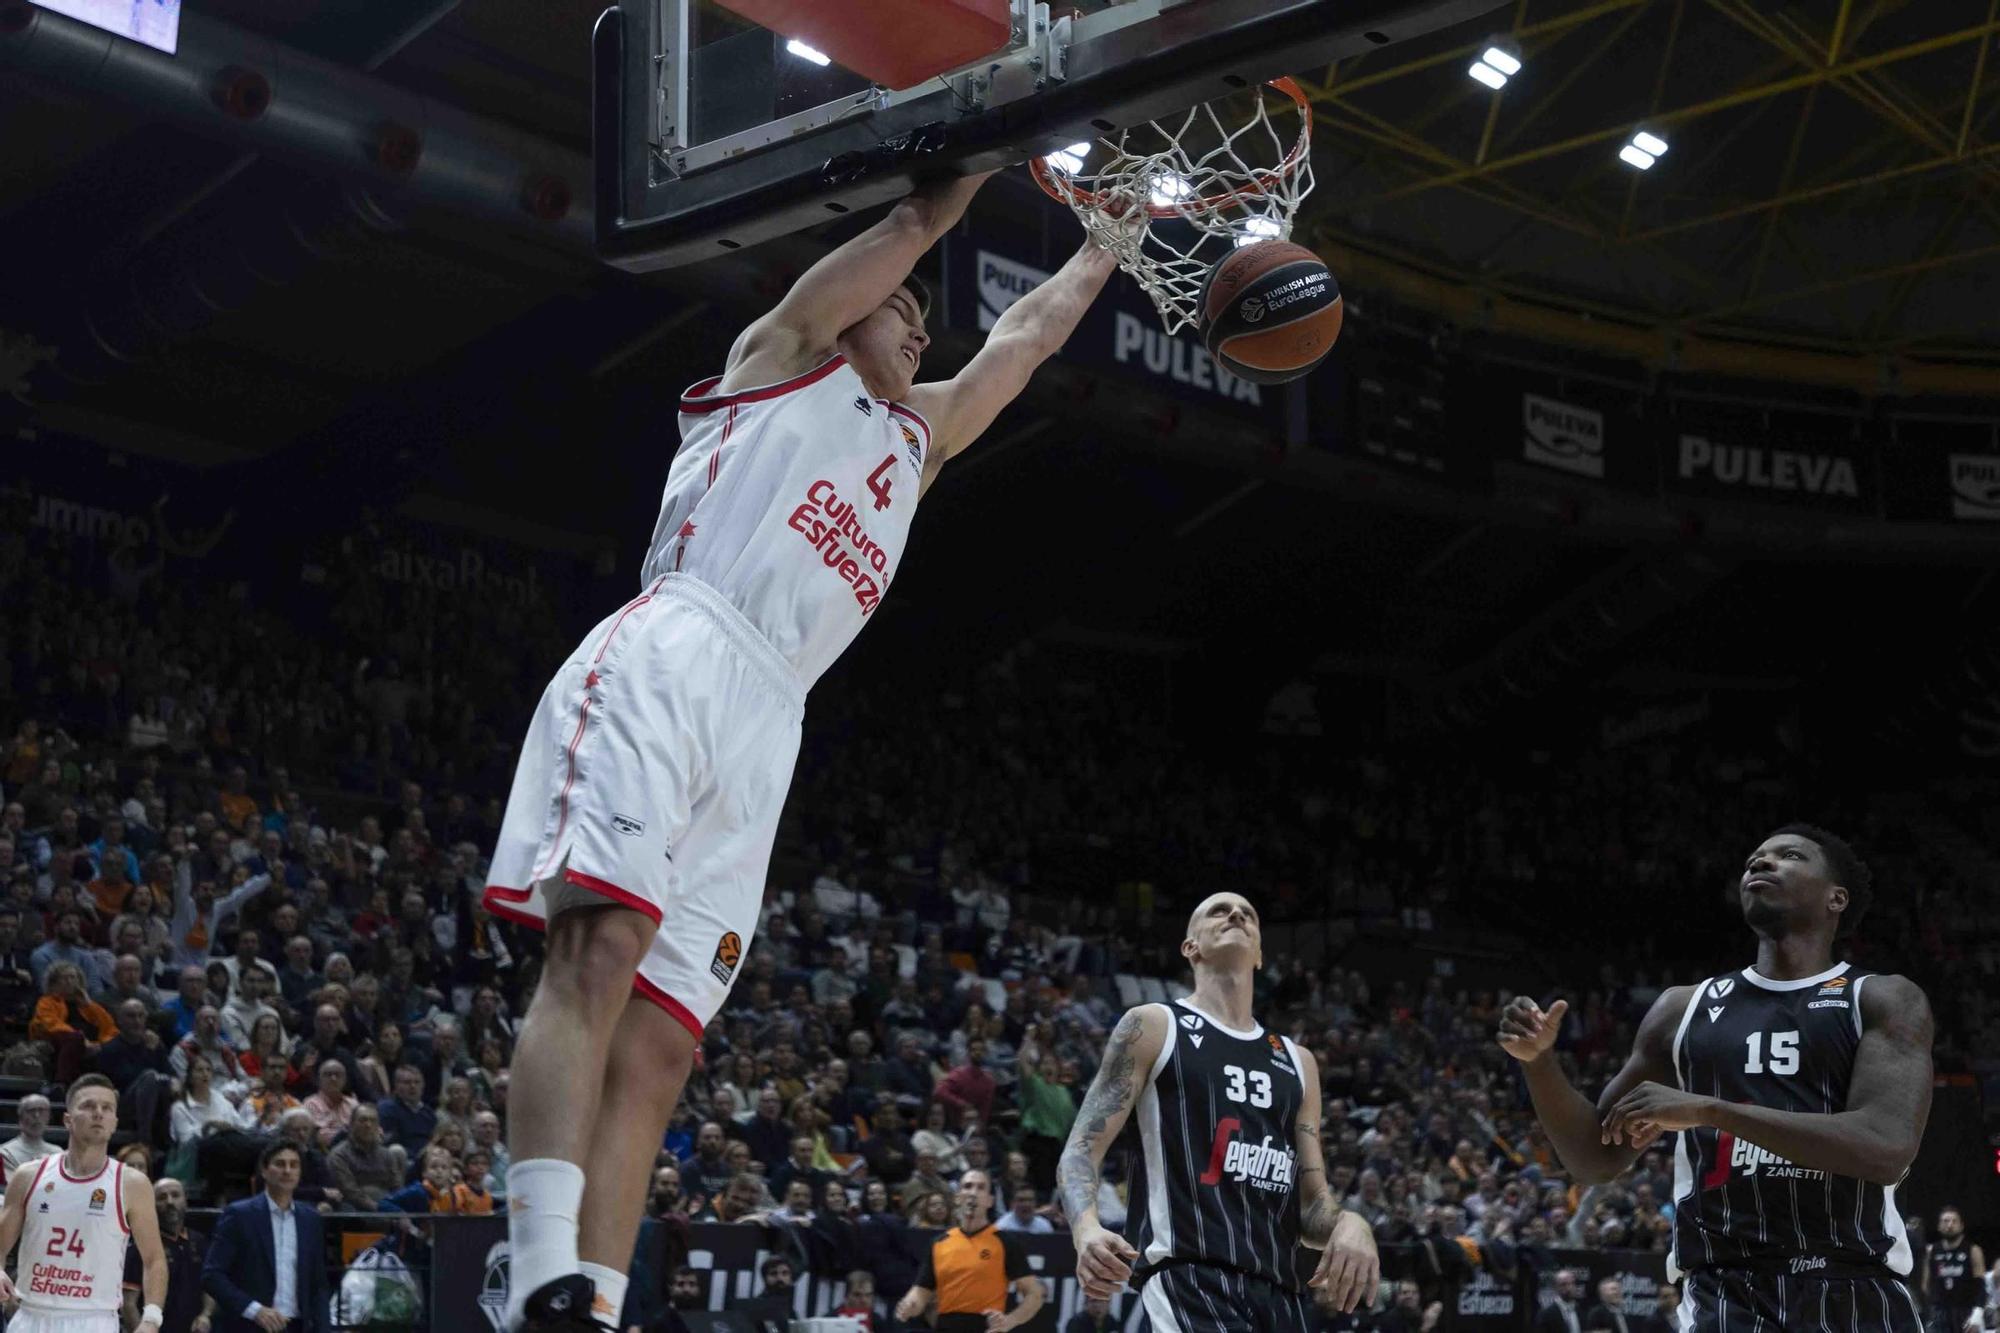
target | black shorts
[
  {"x": 1201, "y": 1298},
  {"x": 1744, "y": 1300}
]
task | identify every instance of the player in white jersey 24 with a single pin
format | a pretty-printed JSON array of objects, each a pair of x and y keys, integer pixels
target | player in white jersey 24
[
  {"x": 638, "y": 833},
  {"x": 72, "y": 1214}
]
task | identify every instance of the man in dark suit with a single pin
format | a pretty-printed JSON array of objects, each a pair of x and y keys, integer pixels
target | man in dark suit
[
  {"x": 266, "y": 1266},
  {"x": 1609, "y": 1312},
  {"x": 1563, "y": 1314}
]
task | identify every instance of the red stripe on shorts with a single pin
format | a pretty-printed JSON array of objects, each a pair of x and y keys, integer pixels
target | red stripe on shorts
[{"x": 674, "y": 1008}]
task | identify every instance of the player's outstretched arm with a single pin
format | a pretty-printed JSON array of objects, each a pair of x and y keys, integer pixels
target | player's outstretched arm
[
  {"x": 1349, "y": 1267},
  {"x": 1573, "y": 1125},
  {"x": 144, "y": 1222},
  {"x": 1031, "y": 331},
  {"x": 1104, "y": 1260},
  {"x": 1875, "y": 1138},
  {"x": 854, "y": 279}
]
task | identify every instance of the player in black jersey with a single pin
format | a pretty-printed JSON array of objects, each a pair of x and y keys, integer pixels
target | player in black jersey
[
  {"x": 1231, "y": 1180},
  {"x": 1799, "y": 1089},
  {"x": 1954, "y": 1274}
]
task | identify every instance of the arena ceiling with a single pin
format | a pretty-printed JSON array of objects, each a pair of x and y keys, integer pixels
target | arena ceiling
[{"x": 1829, "y": 180}]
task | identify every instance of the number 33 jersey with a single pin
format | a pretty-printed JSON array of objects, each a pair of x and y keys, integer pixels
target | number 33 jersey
[
  {"x": 1219, "y": 1178},
  {"x": 1788, "y": 1045},
  {"x": 793, "y": 500},
  {"x": 72, "y": 1257}
]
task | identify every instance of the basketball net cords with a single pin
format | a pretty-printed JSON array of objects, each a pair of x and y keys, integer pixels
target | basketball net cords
[{"x": 1223, "y": 199}]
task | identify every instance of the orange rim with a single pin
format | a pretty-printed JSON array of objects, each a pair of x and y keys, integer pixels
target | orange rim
[{"x": 1265, "y": 179}]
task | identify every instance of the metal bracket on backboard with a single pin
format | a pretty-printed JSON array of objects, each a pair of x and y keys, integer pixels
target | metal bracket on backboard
[{"x": 662, "y": 201}]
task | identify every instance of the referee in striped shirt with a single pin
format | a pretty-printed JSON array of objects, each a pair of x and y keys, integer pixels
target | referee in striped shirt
[{"x": 969, "y": 1270}]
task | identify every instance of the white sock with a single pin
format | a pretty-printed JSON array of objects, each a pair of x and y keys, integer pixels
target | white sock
[
  {"x": 610, "y": 1293},
  {"x": 543, "y": 1196}
]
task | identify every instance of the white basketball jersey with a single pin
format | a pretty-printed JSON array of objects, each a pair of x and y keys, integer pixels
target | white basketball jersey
[
  {"x": 793, "y": 500},
  {"x": 72, "y": 1258}
]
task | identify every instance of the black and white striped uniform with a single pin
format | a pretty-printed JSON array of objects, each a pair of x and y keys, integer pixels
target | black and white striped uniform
[
  {"x": 1770, "y": 1246},
  {"x": 1214, "y": 1209}
]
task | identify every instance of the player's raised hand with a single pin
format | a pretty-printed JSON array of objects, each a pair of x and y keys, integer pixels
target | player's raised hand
[
  {"x": 1104, "y": 1261},
  {"x": 1349, "y": 1267},
  {"x": 1527, "y": 1030}
]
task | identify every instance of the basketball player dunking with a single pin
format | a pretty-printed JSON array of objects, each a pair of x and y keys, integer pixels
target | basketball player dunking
[
  {"x": 1232, "y": 1181},
  {"x": 1800, "y": 1088},
  {"x": 639, "y": 829},
  {"x": 72, "y": 1214}
]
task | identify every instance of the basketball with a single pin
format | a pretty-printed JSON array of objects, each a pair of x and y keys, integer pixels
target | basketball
[{"x": 1269, "y": 311}]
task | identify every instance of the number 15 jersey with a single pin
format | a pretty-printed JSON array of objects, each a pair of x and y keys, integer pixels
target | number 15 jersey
[
  {"x": 1219, "y": 1178},
  {"x": 1788, "y": 1045}
]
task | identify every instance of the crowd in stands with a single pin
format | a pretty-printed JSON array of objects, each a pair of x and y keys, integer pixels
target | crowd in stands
[{"x": 240, "y": 874}]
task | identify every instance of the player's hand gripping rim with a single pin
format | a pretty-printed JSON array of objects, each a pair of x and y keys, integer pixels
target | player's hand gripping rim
[
  {"x": 1349, "y": 1267},
  {"x": 1104, "y": 1262}
]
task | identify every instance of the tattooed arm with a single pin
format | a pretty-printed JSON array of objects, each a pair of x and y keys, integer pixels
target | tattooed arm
[
  {"x": 1318, "y": 1209},
  {"x": 1349, "y": 1268},
  {"x": 1104, "y": 1260}
]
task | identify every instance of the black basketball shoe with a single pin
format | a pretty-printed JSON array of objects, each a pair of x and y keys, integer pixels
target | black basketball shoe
[{"x": 561, "y": 1306}]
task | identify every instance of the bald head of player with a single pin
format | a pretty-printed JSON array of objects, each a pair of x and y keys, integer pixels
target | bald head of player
[
  {"x": 1224, "y": 933},
  {"x": 1804, "y": 881},
  {"x": 887, "y": 348}
]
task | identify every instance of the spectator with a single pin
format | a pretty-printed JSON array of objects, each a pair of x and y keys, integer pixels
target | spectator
[
  {"x": 938, "y": 1140},
  {"x": 767, "y": 1134},
  {"x": 316, "y": 1183},
  {"x": 1665, "y": 1317},
  {"x": 331, "y": 1106},
  {"x": 207, "y": 1041},
  {"x": 446, "y": 1061},
  {"x": 69, "y": 946},
  {"x": 363, "y": 1166},
  {"x": 71, "y": 1022},
  {"x": 18, "y": 988},
  {"x": 707, "y": 1173},
  {"x": 128, "y": 972},
  {"x": 771, "y": 1309},
  {"x": 188, "y": 1309},
  {"x": 133, "y": 1049},
  {"x": 28, "y": 1145},
  {"x": 798, "y": 1166},
  {"x": 1561, "y": 1315},
  {"x": 187, "y": 1003},
  {"x": 297, "y": 981},
  {"x": 1094, "y": 1317},
  {"x": 857, "y": 1301},
  {"x": 929, "y": 1211},
  {"x": 1023, "y": 1215},
  {"x": 742, "y": 1200},
  {"x": 888, "y": 1153},
  {"x": 377, "y": 1063},
  {"x": 327, "y": 1041},
  {"x": 439, "y": 1191},
  {"x": 266, "y": 1046},
  {"x": 406, "y": 1121},
  {"x": 268, "y": 1100},
  {"x": 1048, "y": 1108},
  {"x": 1609, "y": 1312},
  {"x": 1409, "y": 1313},
  {"x": 248, "y": 1003},
  {"x": 909, "y": 1074},
  {"x": 456, "y": 1107},
  {"x": 266, "y": 1266},
  {"x": 486, "y": 1137}
]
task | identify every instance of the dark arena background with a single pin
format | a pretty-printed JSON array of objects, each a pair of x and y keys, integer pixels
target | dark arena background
[{"x": 1637, "y": 513}]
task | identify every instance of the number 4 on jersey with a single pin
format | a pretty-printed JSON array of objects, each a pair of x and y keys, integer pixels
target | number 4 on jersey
[{"x": 879, "y": 480}]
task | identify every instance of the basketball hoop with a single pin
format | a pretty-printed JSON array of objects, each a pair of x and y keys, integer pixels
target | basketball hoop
[{"x": 1206, "y": 189}]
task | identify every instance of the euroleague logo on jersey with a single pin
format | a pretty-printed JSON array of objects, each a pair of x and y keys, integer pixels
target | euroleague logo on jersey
[{"x": 1261, "y": 1166}]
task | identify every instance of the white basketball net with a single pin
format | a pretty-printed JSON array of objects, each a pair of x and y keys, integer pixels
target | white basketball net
[{"x": 1202, "y": 189}]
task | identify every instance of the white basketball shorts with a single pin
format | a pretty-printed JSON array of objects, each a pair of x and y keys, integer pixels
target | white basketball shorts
[
  {"x": 25, "y": 1320},
  {"x": 653, "y": 775}
]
